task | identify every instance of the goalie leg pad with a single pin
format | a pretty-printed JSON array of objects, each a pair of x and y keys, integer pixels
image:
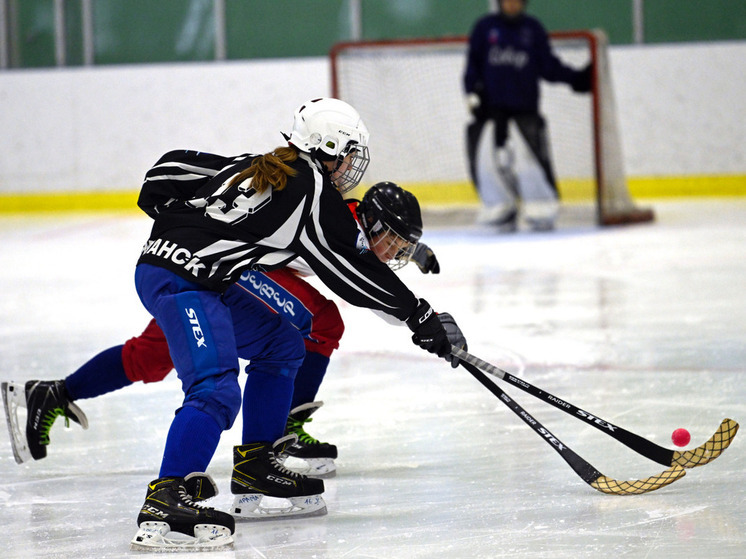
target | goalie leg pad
[{"x": 537, "y": 182}]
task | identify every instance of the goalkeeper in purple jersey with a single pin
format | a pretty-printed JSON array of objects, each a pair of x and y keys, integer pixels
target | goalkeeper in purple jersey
[{"x": 508, "y": 54}]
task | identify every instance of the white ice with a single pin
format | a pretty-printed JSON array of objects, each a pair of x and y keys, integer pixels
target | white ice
[{"x": 643, "y": 325}]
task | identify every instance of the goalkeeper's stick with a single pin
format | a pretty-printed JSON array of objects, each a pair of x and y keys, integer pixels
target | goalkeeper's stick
[
  {"x": 580, "y": 466},
  {"x": 699, "y": 456}
]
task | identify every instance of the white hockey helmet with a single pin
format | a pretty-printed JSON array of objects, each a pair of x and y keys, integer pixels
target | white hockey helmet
[{"x": 331, "y": 130}]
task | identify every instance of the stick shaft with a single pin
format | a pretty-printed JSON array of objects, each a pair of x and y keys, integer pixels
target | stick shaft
[
  {"x": 635, "y": 442},
  {"x": 580, "y": 466},
  {"x": 585, "y": 470}
]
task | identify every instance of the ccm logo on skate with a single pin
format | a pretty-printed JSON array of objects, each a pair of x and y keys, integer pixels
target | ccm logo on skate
[
  {"x": 276, "y": 479},
  {"x": 596, "y": 420},
  {"x": 196, "y": 328},
  {"x": 154, "y": 511}
]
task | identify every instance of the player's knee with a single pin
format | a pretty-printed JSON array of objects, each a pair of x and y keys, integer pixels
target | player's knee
[
  {"x": 218, "y": 396},
  {"x": 283, "y": 357}
]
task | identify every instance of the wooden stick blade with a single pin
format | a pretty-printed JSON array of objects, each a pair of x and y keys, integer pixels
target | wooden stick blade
[
  {"x": 637, "y": 486},
  {"x": 713, "y": 448}
]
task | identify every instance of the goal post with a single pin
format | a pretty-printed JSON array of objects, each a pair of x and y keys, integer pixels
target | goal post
[{"x": 410, "y": 95}]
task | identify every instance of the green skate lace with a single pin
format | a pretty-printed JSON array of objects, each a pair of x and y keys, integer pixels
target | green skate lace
[
  {"x": 296, "y": 426},
  {"x": 47, "y": 422}
]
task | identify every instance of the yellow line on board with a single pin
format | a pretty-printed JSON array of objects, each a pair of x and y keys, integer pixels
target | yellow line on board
[
  {"x": 69, "y": 201},
  {"x": 451, "y": 193},
  {"x": 657, "y": 187}
]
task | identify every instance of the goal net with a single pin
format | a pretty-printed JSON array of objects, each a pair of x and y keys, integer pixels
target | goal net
[{"x": 411, "y": 97}]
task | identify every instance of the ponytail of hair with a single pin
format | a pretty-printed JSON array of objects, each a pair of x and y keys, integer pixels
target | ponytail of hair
[{"x": 270, "y": 170}]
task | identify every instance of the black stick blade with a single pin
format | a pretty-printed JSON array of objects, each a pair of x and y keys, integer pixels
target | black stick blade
[{"x": 713, "y": 448}]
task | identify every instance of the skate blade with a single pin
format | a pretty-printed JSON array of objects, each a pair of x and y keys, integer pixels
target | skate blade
[
  {"x": 157, "y": 536},
  {"x": 14, "y": 397},
  {"x": 77, "y": 415},
  {"x": 253, "y": 506},
  {"x": 321, "y": 468}
]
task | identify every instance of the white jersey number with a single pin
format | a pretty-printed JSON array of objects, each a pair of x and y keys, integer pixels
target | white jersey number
[{"x": 240, "y": 201}]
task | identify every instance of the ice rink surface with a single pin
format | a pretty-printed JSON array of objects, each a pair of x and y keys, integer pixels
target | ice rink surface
[{"x": 643, "y": 325}]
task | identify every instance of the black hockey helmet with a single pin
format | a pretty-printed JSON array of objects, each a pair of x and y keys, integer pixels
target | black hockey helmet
[{"x": 391, "y": 215}]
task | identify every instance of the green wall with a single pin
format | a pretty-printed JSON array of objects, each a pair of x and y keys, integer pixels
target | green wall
[{"x": 141, "y": 31}]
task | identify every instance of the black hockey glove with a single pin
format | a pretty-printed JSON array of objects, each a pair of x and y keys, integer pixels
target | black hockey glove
[
  {"x": 583, "y": 80},
  {"x": 429, "y": 333},
  {"x": 425, "y": 259},
  {"x": 455, "y": 336}
]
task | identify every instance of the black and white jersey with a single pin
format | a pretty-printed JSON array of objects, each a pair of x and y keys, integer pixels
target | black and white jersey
[{"x": 209, "y": 232}]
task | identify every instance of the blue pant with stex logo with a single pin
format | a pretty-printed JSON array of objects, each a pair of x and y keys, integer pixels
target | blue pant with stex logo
[{"x": 207, "y": 332}]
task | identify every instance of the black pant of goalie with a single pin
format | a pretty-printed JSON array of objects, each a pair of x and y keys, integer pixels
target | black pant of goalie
[{"x": 533, "y": 129}]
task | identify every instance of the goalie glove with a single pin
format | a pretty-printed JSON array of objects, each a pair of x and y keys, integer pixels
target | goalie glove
[
  {"x": 429, "y": 332},
  {"x": 455, "y": 336},
  {"x": 425, "y": 259},
  {"x": 583, "y": 80},
  {"x": 475, "y": 103}
]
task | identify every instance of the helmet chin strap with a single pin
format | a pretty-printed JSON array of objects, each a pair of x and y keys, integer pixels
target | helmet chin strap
[{"x": 321, "y": 158}]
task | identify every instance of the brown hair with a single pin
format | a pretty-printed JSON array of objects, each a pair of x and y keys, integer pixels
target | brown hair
[{"x": 270, "y": 170}]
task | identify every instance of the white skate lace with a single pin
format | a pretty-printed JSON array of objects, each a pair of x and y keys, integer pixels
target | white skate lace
[
  {"x": 187, "y": 498},
  {"x": 282, "y": 468}
]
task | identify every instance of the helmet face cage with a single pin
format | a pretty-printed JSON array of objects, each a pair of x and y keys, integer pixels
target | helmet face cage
[
  {"x": 389, "y": 246},
  {"x": 350, "y": 167}
]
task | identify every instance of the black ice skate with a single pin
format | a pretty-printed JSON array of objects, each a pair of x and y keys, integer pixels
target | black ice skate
[
  {"x": 316, "y": 457},
  {"x": 43, "y": 401},
  {"x": 265, "y": 489},
  {"x": 172, "y": 520}
]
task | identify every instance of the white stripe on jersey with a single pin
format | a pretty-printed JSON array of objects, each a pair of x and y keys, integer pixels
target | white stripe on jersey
[
  {"x": 332, "y": 267},
  {"x": 284, "y": 235},
  {"x": 280, "y": 239},
  {"x": 199, "y": 171},
  {"x": 174, "y": 177},
  {"x": 322, "y": 239},
  {"x": 227, "y": 258},
  {"x": 306, "y": 242},
  {"x": 223, "y": 245}
]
